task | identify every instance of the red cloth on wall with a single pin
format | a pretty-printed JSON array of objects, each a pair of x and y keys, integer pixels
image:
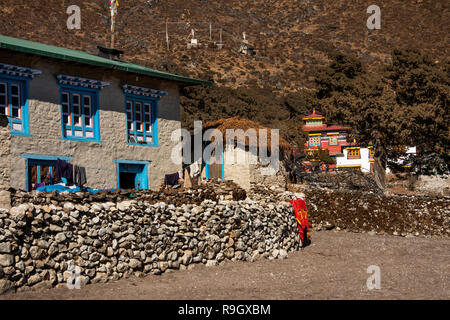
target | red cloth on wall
[{"x": 301, "y": 214}]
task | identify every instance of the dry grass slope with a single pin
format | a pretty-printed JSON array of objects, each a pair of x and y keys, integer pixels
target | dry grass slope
[{"x": 291, "y": 37}]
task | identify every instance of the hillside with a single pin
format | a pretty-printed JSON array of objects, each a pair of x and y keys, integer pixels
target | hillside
[{"x": 291, "y": 38}]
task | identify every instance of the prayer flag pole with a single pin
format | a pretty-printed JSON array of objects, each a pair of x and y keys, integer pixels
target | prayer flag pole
[{"x": 113, "y": 4}]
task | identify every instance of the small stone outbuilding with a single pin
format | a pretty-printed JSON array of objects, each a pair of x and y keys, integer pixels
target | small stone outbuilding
[{"x": 251, "y": 170}]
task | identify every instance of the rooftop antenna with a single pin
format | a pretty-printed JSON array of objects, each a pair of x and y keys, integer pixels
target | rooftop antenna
[{"x": 113, "y": 4}]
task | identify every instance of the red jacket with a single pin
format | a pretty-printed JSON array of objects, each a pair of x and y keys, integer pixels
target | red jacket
[{"x": 301, "y": 214}]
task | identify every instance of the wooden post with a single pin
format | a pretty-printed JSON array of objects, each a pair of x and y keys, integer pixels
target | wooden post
[
  {"x": 379, "y": 165},
  {"x": 113, "y": 10},
  {"x": 210, "y": 32},
  {"x": 167, "y": 36},
  {"x": 112, "y": 35}
]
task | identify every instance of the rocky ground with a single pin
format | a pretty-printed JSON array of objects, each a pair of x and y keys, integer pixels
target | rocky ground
[
  {"x": 333, "y": 267},
  {"x": 439, "y": 185}
]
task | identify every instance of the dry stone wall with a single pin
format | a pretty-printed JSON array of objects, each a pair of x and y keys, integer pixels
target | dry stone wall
[
  {"x": 5, "y": 152},
  {"x": 40, "y": 245}
]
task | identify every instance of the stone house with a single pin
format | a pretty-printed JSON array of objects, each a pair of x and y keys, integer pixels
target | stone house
[
  {"x": 250, "y": 169},
  {"x": 113, "y": 118}
]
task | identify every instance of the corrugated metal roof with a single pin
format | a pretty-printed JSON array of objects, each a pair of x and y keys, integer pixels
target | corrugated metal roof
[{"x": 45, "y": 50}]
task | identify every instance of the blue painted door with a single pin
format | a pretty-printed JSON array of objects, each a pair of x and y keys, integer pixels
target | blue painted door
[{"x": 133, "y": 172}]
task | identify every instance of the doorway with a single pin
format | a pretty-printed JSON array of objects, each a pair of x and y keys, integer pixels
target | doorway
[
  {"x": 132, "y": 175},
  {"x": 215, "y": 170}
]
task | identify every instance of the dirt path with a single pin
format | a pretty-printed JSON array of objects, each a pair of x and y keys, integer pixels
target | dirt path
[{"x": 333, "y": 267}]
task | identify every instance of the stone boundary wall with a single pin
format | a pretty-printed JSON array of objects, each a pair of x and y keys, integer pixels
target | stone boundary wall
[
  {"x": 398, "y": 215},
  {"x": 5, "y": 153},
  {"x": 41, "y": 244}
]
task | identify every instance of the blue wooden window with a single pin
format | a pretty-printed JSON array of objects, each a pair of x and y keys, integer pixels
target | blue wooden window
[
  {"x": 141, "y": 114},
  {"x": 38, "y": 170},
  {"x": 14, "y": 103},
  {"x": 79, "y": 114},
  {"x": 14, "y": 96},
  {"x": 38, "y": 167}
]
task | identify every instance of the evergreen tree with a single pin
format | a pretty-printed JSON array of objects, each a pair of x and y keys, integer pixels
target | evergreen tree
[{"x": 406, "y": 104}]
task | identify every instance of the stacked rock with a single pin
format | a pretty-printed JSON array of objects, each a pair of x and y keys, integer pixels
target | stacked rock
[
  {"x": 42, "y": 245},
  {"x": 357, "y": 211},
  {"x": 210, "y": 189}
]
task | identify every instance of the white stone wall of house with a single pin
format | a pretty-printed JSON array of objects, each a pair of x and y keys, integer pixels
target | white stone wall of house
[
  {"x": 97, "y": 158},
  {"x": 5, "y": 157},
  {"x": 5, "y": 163},
  {"x": 237, "y": 166},
  {"x": 276, "y": 179}
]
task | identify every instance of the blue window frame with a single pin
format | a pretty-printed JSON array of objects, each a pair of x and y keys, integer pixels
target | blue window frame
[
  {"x": 14, "y": 103},
  {"x": 14, "y": 96},
  {"x": 79, "y": 114},
  {"x": 142, "y": 120},
  {"x": 80, "y": 108}
]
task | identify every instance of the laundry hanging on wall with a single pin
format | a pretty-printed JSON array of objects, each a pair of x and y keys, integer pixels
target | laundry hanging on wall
[
  {"x": 79, "y": 176},
  {"x": 171, "y": 179},
  {"x": 64, "y": 170},
  {"x": 194, "y": 169}
]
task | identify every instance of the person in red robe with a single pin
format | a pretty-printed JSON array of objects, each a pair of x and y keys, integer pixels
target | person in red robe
[{"x": 301, "y": 214}]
